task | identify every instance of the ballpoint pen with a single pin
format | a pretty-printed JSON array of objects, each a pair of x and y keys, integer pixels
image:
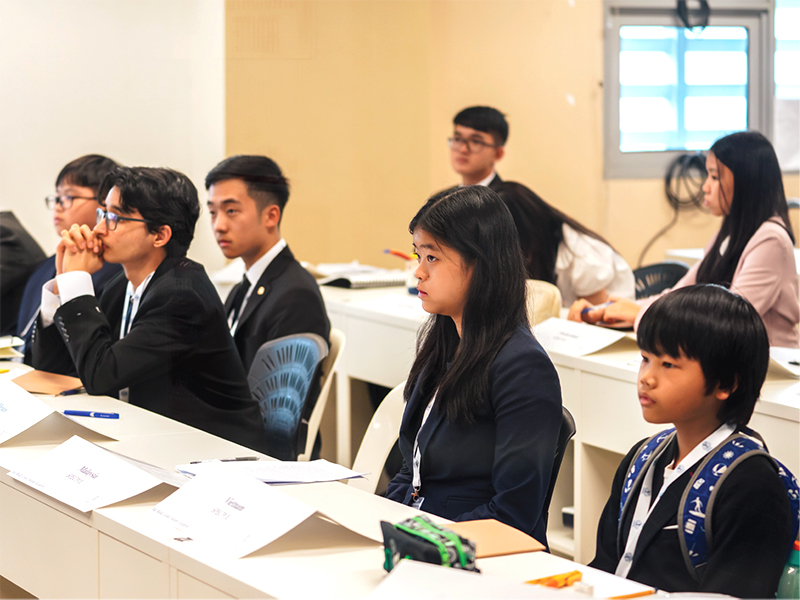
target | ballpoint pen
[{"x": 90, "y": 413}]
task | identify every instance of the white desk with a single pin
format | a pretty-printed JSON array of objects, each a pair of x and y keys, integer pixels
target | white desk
[
  {"x": 599, "y": 390},
  {"x": 52, "y": 550}
]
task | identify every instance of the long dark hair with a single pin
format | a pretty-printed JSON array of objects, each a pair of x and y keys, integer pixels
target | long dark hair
[
  {"x": 540, "y": 228},
  {"x": 475, "y": 223},
  {"x": 757, "y": 197}
]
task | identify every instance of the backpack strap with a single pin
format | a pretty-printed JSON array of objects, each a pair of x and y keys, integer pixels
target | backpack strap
[
  {"x": 647, "y": 453},
  {"x": 696, "y": 505}
]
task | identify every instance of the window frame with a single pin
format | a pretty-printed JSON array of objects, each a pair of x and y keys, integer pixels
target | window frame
[{"x": 755, "y": 15}]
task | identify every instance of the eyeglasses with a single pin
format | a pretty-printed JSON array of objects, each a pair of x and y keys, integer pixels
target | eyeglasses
[
  {"x": 474, "y": 146},
  {"x": 112, "y": 219},
  {"x": 64, "y": 201}
]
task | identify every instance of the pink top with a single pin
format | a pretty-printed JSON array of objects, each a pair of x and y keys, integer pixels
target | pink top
[{"x": 766, "y": 276}]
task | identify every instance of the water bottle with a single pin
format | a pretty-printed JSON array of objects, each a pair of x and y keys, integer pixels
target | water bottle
[{"x": 789, "y": 586}]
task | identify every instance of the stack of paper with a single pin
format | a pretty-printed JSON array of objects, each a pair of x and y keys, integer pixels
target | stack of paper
[{"x": 7, "y": 345}]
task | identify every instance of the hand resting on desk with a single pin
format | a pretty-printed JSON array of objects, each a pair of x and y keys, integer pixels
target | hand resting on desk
[{"x": 619, "y": 311}]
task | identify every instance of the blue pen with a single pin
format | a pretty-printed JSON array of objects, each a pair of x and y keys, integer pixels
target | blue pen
[
  {"x": 79, "y": 390},
  {"x": 591, "y": 308},
  {"x": 89, "y": 413}
]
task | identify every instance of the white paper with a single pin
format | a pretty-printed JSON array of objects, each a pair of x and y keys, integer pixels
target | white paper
[
  {"x": 784, "y": 361},
  {"x": 574, "y": 339},
  {"x": 19, "y": 410},
  {"x": 7, "y": 341},
  {"x": 84, "y": 476},
  {"x": 229, "y": 513},
  {"x": 274, "y": 471}
]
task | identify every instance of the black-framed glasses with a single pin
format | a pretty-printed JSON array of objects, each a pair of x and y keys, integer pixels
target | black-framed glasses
[
  {"x": 64, "y": 201},
  {"x": 112, "y": 219},
  {"x": 474, "y": 146}
]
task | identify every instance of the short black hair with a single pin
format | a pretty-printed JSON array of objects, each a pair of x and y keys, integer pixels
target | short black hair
[
  {"x": 486, "y": 119},
  {"x": 86, "y": 171},
  {"x": 720, "y": 330},
  {"x": 263, "y": 177},
  {"x": 162, "y": 197}
]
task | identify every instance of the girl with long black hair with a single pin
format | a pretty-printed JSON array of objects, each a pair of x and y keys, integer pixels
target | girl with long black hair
[
  {"x": 753, "y": 252},
  {"x": 483, "y": 411}
]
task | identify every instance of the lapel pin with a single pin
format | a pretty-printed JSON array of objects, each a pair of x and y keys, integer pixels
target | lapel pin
[{"x": 260, "y": 291}]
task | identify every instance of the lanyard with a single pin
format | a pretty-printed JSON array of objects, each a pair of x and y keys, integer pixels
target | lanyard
[
  {"x": 643, "y": 507},
  {"x": 416, "y": 480}
]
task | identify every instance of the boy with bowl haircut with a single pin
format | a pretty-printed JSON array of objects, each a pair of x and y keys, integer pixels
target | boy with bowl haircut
[
  {"x": 479, "y": 139},
  {"x": 705, "y": 354}
]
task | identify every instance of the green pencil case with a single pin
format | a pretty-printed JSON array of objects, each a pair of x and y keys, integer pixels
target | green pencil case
[{"x": 421, "y": 539}]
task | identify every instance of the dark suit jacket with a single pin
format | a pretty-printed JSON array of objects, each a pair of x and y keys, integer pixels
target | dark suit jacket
[
  {"x": 751, "y": 525},
  {"x": 32, "y": 298},
  {"x": 496, "y": 184},
  {"x": 19, "y": 256},
  {"x": 178, "y": 358},
  {"x": 498, "y": 467},
  {"x": 289, "y": 303}
]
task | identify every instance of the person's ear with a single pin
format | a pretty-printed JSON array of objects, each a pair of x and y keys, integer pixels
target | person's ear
[
  {"x": 271, "y": 216},
  {"x": 163, "y": 235},
  {"x": 722, "y": 395},
  {"x": 499, "y": 152}
]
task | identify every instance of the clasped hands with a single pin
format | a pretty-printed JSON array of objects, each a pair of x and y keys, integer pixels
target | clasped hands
[{"x": 79, "y": 250}]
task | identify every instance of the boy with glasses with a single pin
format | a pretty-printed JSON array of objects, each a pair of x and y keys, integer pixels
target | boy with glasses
[
  {"x": 479, "y": 139},
  {"x": 74, "y": 203},
  {"x": 157, "y": 337}
]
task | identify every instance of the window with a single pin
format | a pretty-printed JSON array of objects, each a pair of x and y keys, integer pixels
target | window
[
  {"x": 787, "y": 84},
  {"x": 671, "y": 90}
]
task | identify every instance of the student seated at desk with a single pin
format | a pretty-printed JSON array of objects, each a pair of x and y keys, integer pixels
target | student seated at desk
[
  {"x": 753, "y": 252},
  {"x": 483, "y": 412},
  {"x": 75, "y": 202},
  {"x": 704, "y": 359},
  {"x": 247, "y": 196},
  {"x": 559, "y": 250},
  {"x": 157, "y": 337}
]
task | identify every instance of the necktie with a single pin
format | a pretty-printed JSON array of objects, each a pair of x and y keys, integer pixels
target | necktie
[
  {"x": 238, "y": 299},
  {"x": 128, "y": 319}
]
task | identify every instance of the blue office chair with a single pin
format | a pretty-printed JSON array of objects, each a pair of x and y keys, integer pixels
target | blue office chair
[
  {"x": 280, "y": 378},
  {"x": 654, "y": 279}
]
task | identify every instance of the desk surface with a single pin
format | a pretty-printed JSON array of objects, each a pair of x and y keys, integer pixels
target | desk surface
[{"x": 121, "y": 550}]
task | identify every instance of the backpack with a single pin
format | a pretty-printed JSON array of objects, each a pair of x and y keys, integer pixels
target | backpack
[{"x": 697, "y": 500}]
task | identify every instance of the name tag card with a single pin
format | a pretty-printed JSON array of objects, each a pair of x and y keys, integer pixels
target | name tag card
[
  {"x": 230, "y": 514},
  {"x": 19, "y": 410},
  {"x": 84, "y": 476},
  {"x": 574, "y": 339},
  {"x": 784, "y": 362}
]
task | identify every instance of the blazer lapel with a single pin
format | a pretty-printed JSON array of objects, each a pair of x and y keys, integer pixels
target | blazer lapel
[{"x": 264, "y": 285}]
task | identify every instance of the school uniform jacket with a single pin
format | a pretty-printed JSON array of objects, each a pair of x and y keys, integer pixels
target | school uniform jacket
[
  {"x": 286, "y": 300},
  {"x": 178, "y": 358},
  {"x": 751, "y": 524},
  {"x": 19, "y": 257},
  {"x": 499, "y": 466},
  {"x": 32, "y": 298}
]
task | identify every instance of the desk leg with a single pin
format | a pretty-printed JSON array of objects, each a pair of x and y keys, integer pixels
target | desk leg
[{"x": 343, "y": 409}]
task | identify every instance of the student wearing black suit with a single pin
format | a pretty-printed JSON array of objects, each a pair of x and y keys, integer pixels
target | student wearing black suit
[
  {"x": 19, "y": 256},
  {"x": 75, "y": 202},
  {"x": 247, "y": 196},
  {"x": 705, "y": 354},
  {"x": 479, "y": 139},
  {"x": 479, "y": 432},
  {"x": 158, "y": 335}
]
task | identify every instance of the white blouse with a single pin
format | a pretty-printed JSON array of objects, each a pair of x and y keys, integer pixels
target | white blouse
[{"x": 585, "y": 265}]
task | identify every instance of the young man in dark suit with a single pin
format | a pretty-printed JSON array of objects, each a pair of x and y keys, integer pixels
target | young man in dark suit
[
  {"x": 158, "y": 336},
  {"x": 75, "y": 202},
  {"x": 478, "y": 142},
  {"x": 277, "y": 297}
]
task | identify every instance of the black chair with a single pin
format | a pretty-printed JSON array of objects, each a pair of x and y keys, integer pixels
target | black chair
[
  {"x": 565, "y": 434},
  {"x": 280, "y": 378},
  {"x": 654, "y": 279}
]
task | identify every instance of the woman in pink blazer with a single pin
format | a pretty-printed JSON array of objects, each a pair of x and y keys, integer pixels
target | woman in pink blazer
[{"x": 753, "y": 252}]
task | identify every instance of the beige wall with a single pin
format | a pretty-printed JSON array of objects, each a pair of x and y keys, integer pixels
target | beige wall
[{"x": 355, "y": 99}]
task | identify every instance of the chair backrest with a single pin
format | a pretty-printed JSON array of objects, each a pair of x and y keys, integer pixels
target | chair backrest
[
  {"x": 543, "y": 300},
  {"x": 280, "y": 377},
  {"x": 654, "y": 279},
  {"x": 381, "y": 434},
  {"x": 328, "y": 367},
  {"x": 564, "y": 436}
]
